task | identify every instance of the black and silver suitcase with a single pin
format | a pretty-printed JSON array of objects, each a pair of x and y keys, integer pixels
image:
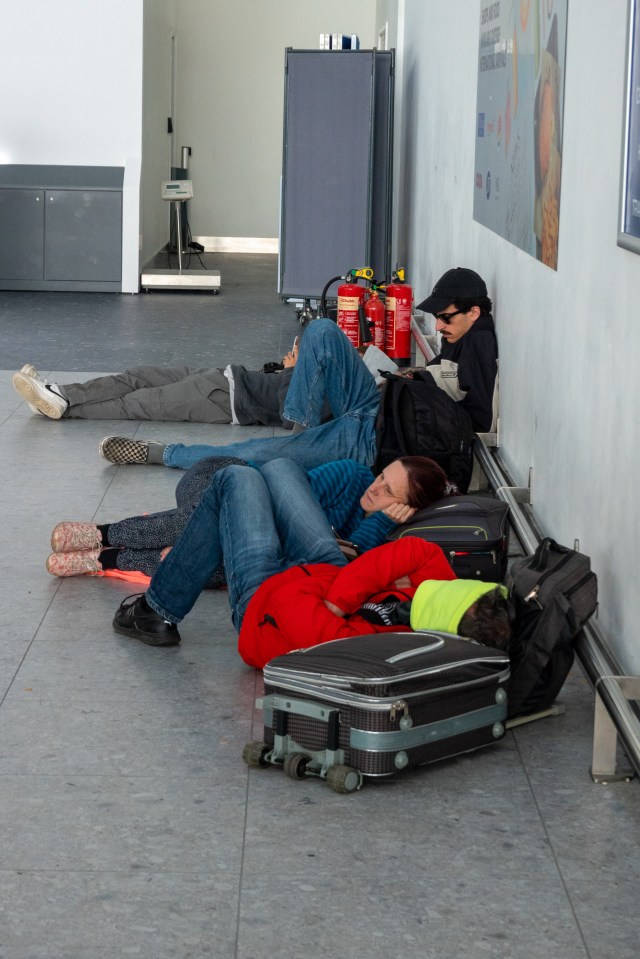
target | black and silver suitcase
[
  {"x": 471, "y": 530},
  {"x": 370, "y": 706}
]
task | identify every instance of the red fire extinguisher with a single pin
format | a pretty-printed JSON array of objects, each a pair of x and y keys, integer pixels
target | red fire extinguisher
[
  {"x": 374, "y": 313},
  {"x": 350, "y": 303},
  {"x": 397, "y": 320},
  {"x": 350, "y": 296}
]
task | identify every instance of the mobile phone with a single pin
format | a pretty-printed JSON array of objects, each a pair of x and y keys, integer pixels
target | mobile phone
[{"x": 295, "y": 343}]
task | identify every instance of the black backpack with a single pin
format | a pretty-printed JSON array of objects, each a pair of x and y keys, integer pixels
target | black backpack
[
  {"x": 417, "y": 418},
  {"x": 553, "y": 593}
]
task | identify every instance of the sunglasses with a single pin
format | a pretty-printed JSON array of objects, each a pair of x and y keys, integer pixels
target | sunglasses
[{"x": 447, "y": 317}]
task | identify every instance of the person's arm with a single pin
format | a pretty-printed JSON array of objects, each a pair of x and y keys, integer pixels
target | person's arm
[
  {"x": 371, "y": 531},
  {"x": 314, "y": 605},
  {"x": 477, "y": 371},
  {"x": 380, "y": 568}
]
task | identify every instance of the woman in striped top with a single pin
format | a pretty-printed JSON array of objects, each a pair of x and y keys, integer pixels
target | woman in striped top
[{"x": 359, "y": 508}]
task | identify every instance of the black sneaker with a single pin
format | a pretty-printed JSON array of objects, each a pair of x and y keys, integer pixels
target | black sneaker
[{"x": 138, "y": 620}]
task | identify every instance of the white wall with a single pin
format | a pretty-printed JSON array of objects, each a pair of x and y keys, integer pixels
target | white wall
[
  {"x": 230, "y": 100},
  {"x": 569, "y": 340},
  {"x": 159, "y": 27},
  {"x": 71, "y": 77}
]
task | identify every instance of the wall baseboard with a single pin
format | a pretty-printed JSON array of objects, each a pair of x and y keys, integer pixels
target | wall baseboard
[{"x": 238, "y": 244}]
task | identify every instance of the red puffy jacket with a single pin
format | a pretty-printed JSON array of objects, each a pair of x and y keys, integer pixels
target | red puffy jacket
[{"x": 288, "y": 611}]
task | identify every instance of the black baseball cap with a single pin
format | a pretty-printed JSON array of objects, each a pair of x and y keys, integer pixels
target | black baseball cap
[{"x": 456, "y": 284}]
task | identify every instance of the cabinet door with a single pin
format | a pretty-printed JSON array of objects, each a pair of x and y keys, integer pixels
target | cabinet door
[
  {"x": 83, "y": 236},
  {"x": 21, "y": 234},
  {"x": 327, "y": 167}
]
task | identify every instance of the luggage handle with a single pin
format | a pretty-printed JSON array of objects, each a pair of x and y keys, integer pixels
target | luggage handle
[
  {"x": 541, "y": 556},
  {"x": 416, "y": 651}
]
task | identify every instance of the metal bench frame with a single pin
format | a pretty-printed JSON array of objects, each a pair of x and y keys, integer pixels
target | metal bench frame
[{"x": 616, "y": 716}]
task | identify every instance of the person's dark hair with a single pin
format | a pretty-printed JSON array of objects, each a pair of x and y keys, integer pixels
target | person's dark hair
[
  {"x": 488, "y": 621},
  {"x": 466, "y": 302},
  {"x": 427, "y": 481}
]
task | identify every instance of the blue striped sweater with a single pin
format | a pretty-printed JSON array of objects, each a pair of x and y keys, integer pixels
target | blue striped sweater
[{"x": 338, "y": 487}]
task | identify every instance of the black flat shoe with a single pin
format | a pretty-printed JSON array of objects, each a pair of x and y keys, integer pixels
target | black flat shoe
[{"x": 138, "y": 620}]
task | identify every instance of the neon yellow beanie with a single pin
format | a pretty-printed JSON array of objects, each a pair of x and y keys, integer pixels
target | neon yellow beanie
[{"x": 441, "y": 604}]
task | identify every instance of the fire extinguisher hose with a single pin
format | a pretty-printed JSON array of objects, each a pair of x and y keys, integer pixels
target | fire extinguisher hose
[{"x": 323, "y": 296}]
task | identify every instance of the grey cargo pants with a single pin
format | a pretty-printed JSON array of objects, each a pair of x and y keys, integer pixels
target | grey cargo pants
[{"x": 151, "y": 393}]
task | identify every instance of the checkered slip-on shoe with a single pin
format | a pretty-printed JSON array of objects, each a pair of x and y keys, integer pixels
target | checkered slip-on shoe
[{"x": 121, "y": 450}]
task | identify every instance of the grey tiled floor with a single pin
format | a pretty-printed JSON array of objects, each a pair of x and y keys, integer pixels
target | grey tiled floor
[{"x": 130, "y": 826}]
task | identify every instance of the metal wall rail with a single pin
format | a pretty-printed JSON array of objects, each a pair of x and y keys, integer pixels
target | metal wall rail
[{"x": 616, "y": 714}]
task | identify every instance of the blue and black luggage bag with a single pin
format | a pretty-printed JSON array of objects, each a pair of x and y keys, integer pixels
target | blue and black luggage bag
[
  {"x": 371, "y": 706},
  {"x": 472, "y": 531}
]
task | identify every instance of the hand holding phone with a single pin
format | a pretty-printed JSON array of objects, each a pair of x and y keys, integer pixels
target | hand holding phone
[{"x": 291, "y": 357}]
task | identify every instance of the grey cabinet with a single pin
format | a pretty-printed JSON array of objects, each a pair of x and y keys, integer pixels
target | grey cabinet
[
  {"x": 21, "y": 235},
  {"x": 337, "y": 167},
  {"x": 61, "y": 228}
]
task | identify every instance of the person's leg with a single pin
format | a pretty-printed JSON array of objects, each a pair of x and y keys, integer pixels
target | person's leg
[
  {"x": 303, "y": 534},
  {"x": 101, "y": 389},
  {"x": 352, "y": 436},
  {"x": 157, "y": 530},
  {"x": 154, "y": 531},
  {"x": 328, "y": 367},
  {"x": 192, "y": 485},
  {"x": 179, "y": 394},
  {"x": 235, "y": 519},
  {"x": 147, "y": 561},
  {"x": 301, "y": 522},
  {"x": 241, "y": 492}
]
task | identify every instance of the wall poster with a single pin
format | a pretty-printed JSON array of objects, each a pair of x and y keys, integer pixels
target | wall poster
[
  {"x": 521, "y": 71},
  {"x": 629, "y": 235}
]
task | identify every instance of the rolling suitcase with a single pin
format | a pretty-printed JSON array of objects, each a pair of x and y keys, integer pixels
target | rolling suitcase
[
  {"x": 472, "y": 531},
  {"x": 370, "y": 706}
]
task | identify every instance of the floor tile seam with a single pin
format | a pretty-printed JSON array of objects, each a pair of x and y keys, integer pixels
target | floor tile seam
[
  {"x": 106, "y": 871},
  {"x": 54, "y": 594},
  {"x": 181, "y": 775},
  {"x": 10, "y": 415},
  {"x": 87, "y": 700},
  {"x": 551, "y": 846},
  {"x": 30, "y": 643},
  {"x": 243, "y": 847},
  {"x": 204, "y": 782}
]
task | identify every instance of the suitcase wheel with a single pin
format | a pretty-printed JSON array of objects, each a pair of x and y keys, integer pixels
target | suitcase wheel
[
  {"x": 344, "y": 779},
  {"x": 295, "y": 765},
  {"x": 255, "y": 753}
]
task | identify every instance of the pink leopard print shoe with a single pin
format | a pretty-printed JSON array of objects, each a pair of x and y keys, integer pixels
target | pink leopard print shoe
[
  {"x": 72, "y": 536},
  {"x": 74, "y": 563}
]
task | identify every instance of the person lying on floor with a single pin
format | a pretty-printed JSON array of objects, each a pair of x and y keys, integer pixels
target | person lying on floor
[
  {"x": 330, "y": 372},
  {"x": 287, "y": 582},
  {"x": 361, "y": 508},
  {"x": 174, "y": 394}
]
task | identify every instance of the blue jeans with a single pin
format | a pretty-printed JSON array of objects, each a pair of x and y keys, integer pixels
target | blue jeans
[
  {"x": 260, "y": 522},
  {"x": 328, "y": 367}
]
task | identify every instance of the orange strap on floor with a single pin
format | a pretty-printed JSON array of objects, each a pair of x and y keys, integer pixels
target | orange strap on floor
[{"x": 129, "y": 575}]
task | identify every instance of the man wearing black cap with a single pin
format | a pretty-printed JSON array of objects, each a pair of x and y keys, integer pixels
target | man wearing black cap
[
  {"x": 329, "y": 370},
  {"x": 467, "y": 364}
]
